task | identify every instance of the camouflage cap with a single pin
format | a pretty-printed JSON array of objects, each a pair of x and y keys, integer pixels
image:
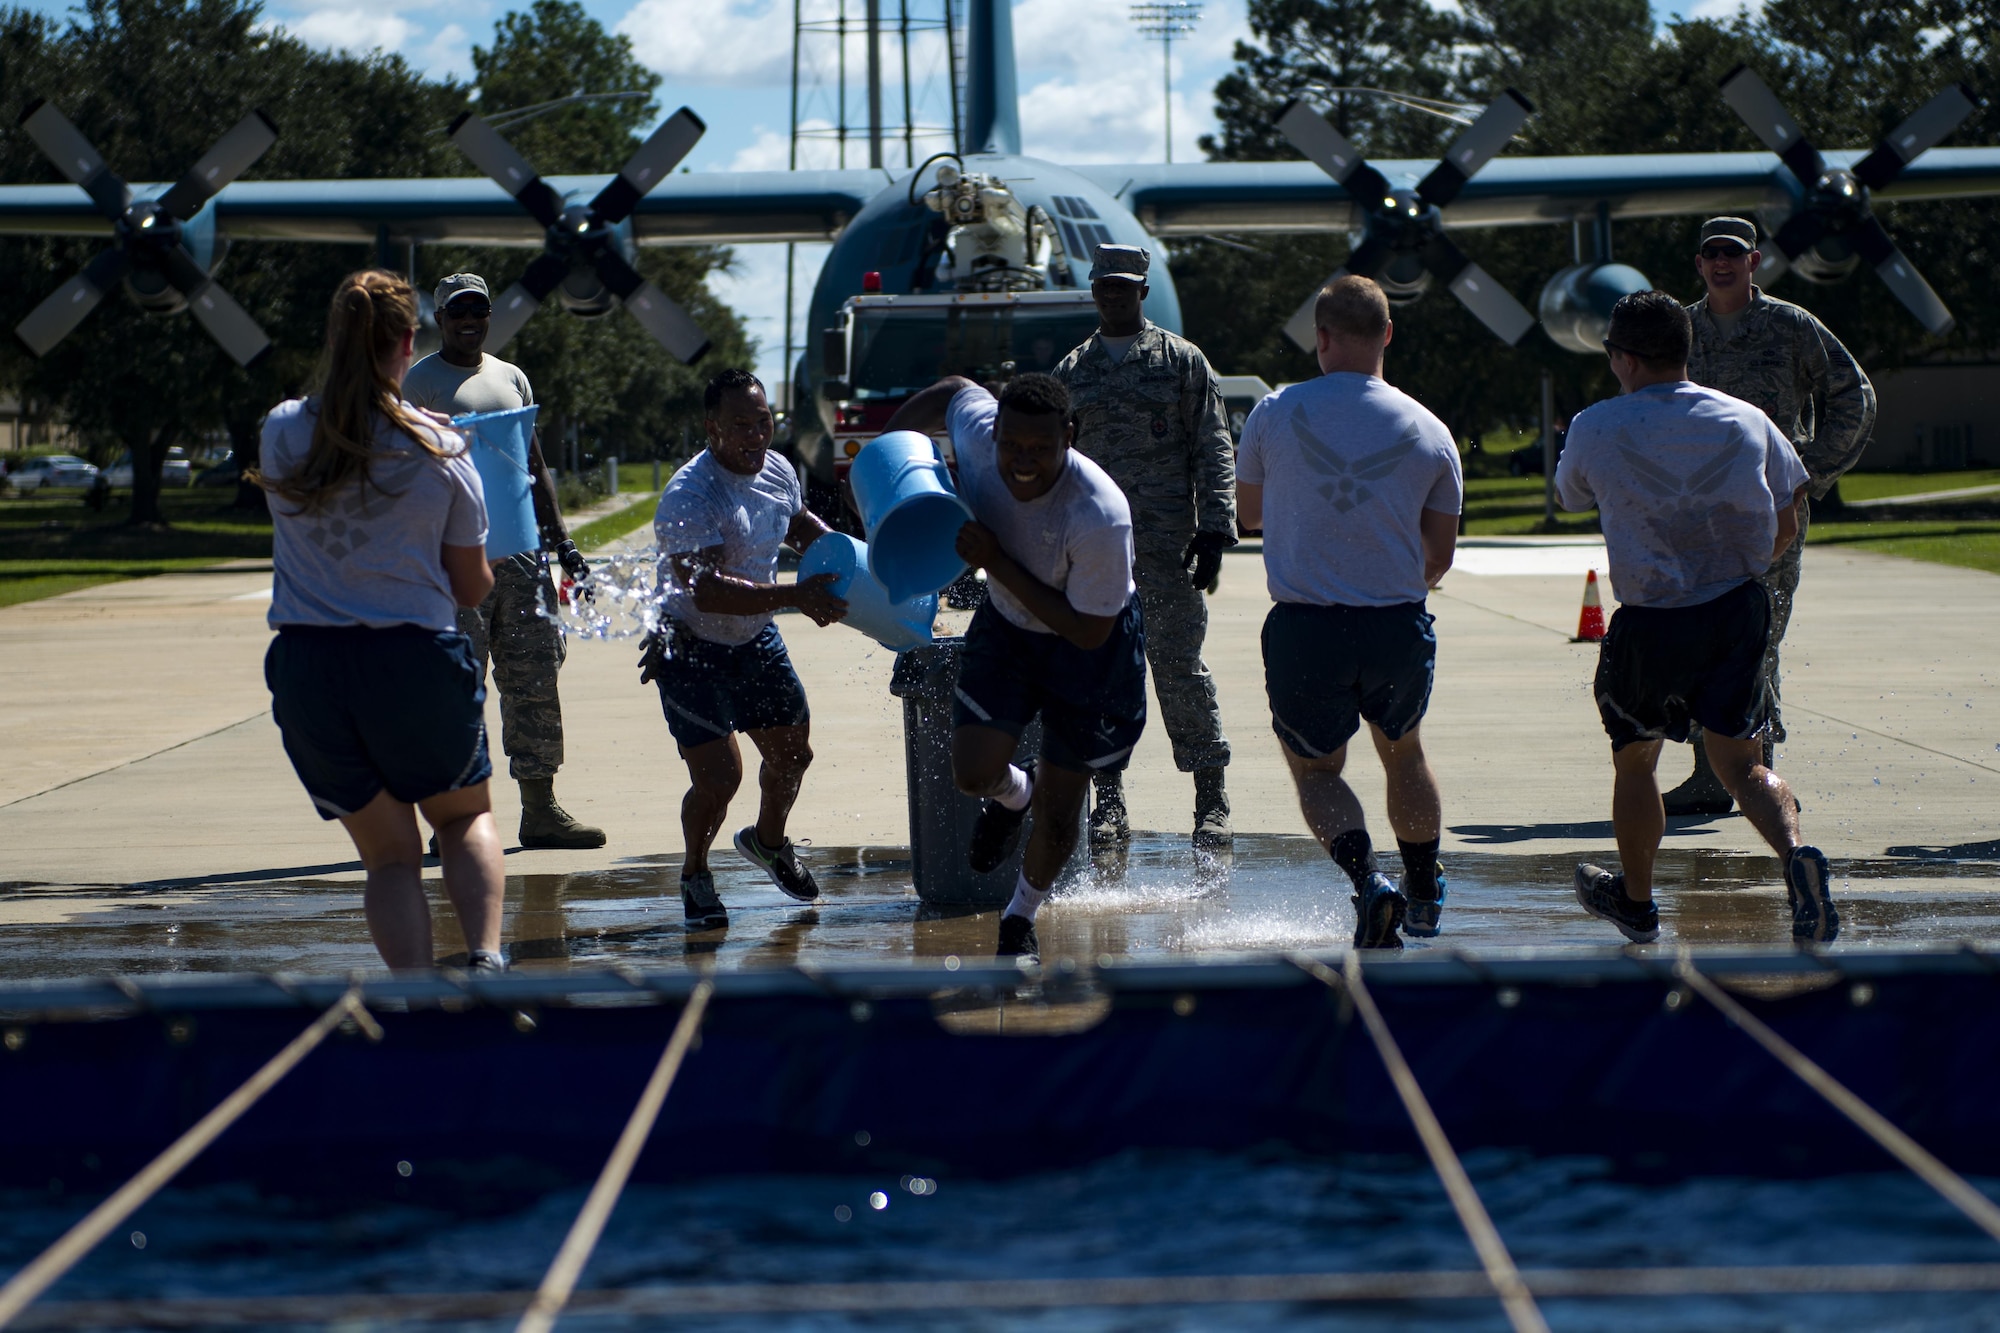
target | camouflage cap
[
  {"x": 1740, "y": 230},
  {"x": 457, "y": 285},
  {"x": 1128, "y": 263}
]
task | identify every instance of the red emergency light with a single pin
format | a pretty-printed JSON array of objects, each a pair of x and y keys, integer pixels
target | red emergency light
[{"x": 871, "y": 281}]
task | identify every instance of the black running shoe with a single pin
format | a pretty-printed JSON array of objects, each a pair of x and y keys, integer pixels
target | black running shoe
[
  {"x": 1378, "y": 911},
  {"x": 704, "y": 910},
  {"x": 998, "y": 829},
  {"x": 793, "y": 880},
  {"x": 1602, "y": 894},
  {"x": 1814, "y": 920},
  {"x": 1017, "y": 939},
  {"x": 1420, "y": 917}
]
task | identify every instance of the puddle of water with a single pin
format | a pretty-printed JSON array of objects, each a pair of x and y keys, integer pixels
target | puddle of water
[{"x": 1275, "y": 893}]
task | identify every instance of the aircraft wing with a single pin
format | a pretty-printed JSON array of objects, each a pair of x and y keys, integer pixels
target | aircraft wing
[
  {"x": 685, "y": 209},
  {"x": 1198, "y": 198}
]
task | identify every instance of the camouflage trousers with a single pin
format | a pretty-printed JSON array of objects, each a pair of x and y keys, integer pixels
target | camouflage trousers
[
  {"x": 1781, "y": 580},
  {"x": 527, "y": 651},
  {"x": 1176, "y": 618}
]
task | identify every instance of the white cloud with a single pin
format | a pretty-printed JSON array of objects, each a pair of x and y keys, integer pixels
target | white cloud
[
  {"x": 755, "y": 288},
  {"x": 351, "y": 29},
  {"x": 1721, "y": 11},
  {"x": 447, "y": 53},
  {"x": 703, "y": 42}
]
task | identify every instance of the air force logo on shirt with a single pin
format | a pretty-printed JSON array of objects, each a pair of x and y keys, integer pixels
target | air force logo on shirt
[{"x": 1343, "y": 487}]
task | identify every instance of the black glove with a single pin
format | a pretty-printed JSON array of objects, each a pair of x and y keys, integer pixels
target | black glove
[
  {"x": 1203, "y": 559},
  {"x": 653, "y": 657},
  {"x": 577, "y": 568}
]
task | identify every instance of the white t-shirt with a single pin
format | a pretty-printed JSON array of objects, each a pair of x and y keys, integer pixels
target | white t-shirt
[
  {"x": 706, "y": 505},
  {"x": 1688, "y": 481},
  {"x": 1077, "y": 538},
  {"x": 491, "y": 386},
  {"x": 1348, "y": 464},
  {"x": 370, "y": 555}
]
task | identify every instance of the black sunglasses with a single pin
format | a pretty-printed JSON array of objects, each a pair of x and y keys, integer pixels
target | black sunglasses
[
  {"x": 468, "y": 310},
  {"x": 1610, "y": 346},
  {"x": 1722, "y": 251}
]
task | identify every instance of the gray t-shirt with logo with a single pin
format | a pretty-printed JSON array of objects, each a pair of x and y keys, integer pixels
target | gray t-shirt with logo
[
  {"x": 705, "y": 506},
  {"x": 1688, "y": 482},
  {"x": 1077, "y": 538},
  {"x": 1348, "y": 464},
  {"x": 371, "y": 555}
]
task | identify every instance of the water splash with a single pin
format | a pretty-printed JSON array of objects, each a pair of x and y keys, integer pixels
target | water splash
[{"x": 620, "y": 599}]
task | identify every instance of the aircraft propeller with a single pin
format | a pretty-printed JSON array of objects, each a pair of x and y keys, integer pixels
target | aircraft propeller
[
  {"x": 1402, "y": 230},
  {"x": 582, "y": 237},
  {"x": 148, "y": 248},
  {"x": 1836, "y": 214}
]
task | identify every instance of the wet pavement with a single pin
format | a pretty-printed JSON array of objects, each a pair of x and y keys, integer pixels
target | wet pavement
[{"x": 1276, "y": 892}]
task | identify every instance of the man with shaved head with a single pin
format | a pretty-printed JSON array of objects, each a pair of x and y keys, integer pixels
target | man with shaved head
[{"x": 1357, "y": 488}]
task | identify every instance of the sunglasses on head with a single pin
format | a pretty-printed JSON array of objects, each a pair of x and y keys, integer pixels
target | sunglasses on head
[
  {"x": 469, "y": 309},
  {"x": 1725, "y": 250}
]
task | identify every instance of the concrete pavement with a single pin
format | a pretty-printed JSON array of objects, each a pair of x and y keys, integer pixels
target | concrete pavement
[{"x": 141, "y": 748}]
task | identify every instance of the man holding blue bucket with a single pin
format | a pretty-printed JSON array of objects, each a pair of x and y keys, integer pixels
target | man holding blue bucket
[
  {"x": 1059, "y": 634},
  {"x": 516, "y": 624},
  {"x": 720, "y": 663}
]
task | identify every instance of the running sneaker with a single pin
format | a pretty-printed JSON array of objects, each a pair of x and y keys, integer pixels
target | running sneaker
[
  {"x": 1017, "y": 939},
  {"x": 1420, "y": 918},
  {"x": 793, "y": 880},
  {"x": 1602, "y": 894},
  {"x": 1814, "y": 920},
  {"x": 996, "y": 832},
  {"x": 698, "y": 900},
  {"x": 485, "y": 960},
  {"x": 1378, "y": 911}
]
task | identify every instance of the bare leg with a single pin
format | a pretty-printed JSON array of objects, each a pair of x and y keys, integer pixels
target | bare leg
[
  {"x": 1765, "y": 798},
  {"x": 399, "y": 920},
  {"x": 469, "y": 857},
  {"x": 716, "y": 771},
  {"x": 979, "y": 759},
  {"x": 1330, "y": 806},
  {"x": 1058, "y": 800},
  {"x": 1415, "y": 808},
  {"x": 1637, "y": 816},
  {"x": 787, "y": 752}
]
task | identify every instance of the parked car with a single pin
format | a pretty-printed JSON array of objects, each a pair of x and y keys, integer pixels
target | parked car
[
  {"x": 176, "y": 471},
  {"x": 49, "y": 470}
]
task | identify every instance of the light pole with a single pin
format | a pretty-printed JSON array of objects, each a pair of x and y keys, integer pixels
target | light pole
[{"x": 1164, "y": 21}]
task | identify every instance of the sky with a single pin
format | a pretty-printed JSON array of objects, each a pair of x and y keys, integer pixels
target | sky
[{"x": 1091, "y": 86}]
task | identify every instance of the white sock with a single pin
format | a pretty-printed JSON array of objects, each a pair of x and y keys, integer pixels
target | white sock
[
  {"x": 1019, "y": 790},
  {"x": 1027, "y": 899}
]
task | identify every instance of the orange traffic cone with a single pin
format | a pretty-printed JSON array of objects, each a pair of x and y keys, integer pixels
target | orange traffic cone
[{"x": 1590, "y": 625}]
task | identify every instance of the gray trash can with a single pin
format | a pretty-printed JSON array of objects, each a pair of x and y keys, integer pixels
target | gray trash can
[{"x": 941, "y": 816}]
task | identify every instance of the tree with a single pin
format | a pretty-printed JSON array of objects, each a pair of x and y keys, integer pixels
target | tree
[{"x": 1603, "y": 80}]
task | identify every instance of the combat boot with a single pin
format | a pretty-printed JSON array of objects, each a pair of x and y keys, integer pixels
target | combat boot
[
  {"x": 544, "y": 824},
  {"x": 1109, "y": 824},
  {"x": 1212, "y": 831},
  {"x": 1703, "y": 792}
]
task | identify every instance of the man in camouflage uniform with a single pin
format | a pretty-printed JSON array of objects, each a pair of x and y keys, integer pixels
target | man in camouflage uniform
[
  {"x": 1149, "y": 412},
  {"x": 516, "y": 623},
  {"x": 1778, "y": 357}
]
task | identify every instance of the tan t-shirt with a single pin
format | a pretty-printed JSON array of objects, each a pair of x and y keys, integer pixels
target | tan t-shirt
[{"x": 493, "y": 386}]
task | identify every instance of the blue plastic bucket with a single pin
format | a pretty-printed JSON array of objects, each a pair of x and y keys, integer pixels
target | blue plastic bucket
[
  {"x": 897, "y": 626},
  {"x": 912, "y": 513},
  {"x": 500, "y": 452}
]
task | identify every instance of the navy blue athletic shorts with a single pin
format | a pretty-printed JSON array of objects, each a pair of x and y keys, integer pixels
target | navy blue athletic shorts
[
  {"x": 1092, "y": 701},
  {"x": 1328, "y": 667},
  {"x": 362, "y": 711},
  {"x": 710, "y": 689},
  {"x": 1661, "y": 668}
]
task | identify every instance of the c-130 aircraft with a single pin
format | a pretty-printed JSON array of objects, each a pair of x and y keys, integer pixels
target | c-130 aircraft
[{"x": 976, "y": 262}]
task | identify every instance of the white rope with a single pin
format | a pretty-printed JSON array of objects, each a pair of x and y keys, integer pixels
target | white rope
[
  {"x": 1514, "y": 1295},
  {"x": 22, "y": 1289},
  {"x": 1871, "y": 1122},
  {"x": 560, "y": 1281}
]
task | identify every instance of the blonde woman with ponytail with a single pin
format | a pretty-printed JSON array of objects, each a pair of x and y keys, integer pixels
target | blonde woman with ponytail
[{"x": 379, "y": 536}]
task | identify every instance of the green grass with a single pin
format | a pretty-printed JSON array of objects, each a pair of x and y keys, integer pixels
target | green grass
[
  {"x": 1881, "y": 485},
  {"x": 1973, "y": 544},
  {"x": 53, "y": 544},
  {"x": 616, "y": 524}
]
